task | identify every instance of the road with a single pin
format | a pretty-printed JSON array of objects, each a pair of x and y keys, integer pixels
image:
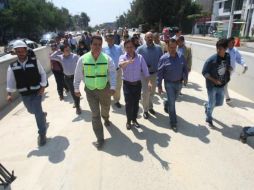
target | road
[
  {"x": 240, "y": 83},
  {"x": 149, "y": 158}
]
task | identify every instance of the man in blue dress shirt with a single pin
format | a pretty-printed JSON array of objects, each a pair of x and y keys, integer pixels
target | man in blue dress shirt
[
  {"x": 173, "y": 69},
  {"x": 114, "y": 51}
]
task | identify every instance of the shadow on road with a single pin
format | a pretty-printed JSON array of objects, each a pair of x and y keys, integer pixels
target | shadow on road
[
  {"x": 188, "y": 129},
  {"x": 152, "y": 138},
  {"x": 195, "y": 86},
  {"x": 241, "y": 104},
  {"x": 184, "y": 127},
  {"x": 120, "y": 145},
  {"x": 54, "y": 149},
  {"x": 232, "y": 132},
  {"x": 191, "y": 99},
  {"x": 85, "y": 115}
]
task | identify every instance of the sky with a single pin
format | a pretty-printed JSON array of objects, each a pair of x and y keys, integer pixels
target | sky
[{"x": 99, "y": 11}]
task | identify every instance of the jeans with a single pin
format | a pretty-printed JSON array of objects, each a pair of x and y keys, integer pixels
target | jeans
[
  {"x": 215, "y": 98},
  {"x": 132, "y": 95},
  {"x": 69, "y": 83},
  {"x": 173, "y": 90},
  {"x": 33, "y": 106}
]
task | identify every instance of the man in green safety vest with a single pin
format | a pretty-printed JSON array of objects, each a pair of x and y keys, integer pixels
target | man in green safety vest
[{"x": 98, "y": 72}]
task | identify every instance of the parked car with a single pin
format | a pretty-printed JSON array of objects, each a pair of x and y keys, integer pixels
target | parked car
[
  {"x": 31, "y": 44},
  {"x": 47, "y": 38}
]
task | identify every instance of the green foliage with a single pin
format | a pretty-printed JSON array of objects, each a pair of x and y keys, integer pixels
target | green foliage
[
  {"x": 31, "y": 18},
  {"x": 159, "y": 13}
]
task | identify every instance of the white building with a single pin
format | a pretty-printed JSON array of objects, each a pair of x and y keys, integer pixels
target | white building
[{"x": 243, "y": 16}]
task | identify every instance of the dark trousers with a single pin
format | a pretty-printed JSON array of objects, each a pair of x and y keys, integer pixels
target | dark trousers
[
  {"x": 69, "y": 83},
  {"x": 132, "y": 93},
  {"x": 59, "y": 77}
]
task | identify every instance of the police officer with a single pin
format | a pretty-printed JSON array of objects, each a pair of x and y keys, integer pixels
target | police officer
[{"x": 28, "y": 77}]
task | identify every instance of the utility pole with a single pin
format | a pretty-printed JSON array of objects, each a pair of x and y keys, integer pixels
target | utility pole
[{"x": 230, "y": 24}]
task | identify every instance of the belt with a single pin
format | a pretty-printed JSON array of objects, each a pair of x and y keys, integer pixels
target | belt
[
  {"x": 69, "y": 76},
  {"x": 132, "y": 83},
  {"x": 152, "y": 72}
]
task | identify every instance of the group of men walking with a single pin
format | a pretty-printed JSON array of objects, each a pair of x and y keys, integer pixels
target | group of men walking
[{"x": 105, "y": 70}]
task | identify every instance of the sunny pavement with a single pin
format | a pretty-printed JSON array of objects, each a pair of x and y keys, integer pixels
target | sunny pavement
[{"x": 150, "y": 158}]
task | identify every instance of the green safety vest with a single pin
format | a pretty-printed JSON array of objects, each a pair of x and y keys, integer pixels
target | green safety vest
[{"x": 95, "y": 72}]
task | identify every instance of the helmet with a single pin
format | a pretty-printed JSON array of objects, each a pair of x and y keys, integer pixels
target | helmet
[{"x": 19, "y": 43}]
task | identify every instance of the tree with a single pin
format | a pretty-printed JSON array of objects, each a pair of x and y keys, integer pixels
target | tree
[{"x": 159, "y": 13}]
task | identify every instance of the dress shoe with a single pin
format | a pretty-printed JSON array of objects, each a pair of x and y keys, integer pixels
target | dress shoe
[
  {"x": 174, "y": 127},
  {"x": 210, "y": 123},
  {"x": 146, "y": 115},
  {"x": 135, "y": 124},
  {"x": 99, "y": 144},
  {"x": 118, "y": 105},
  {"x": 228, "y": 100},
  {"x": 42, "y": 139},
  {"x": 107, "y": 123},
  {"x": 61, "y": 98},
  {"x": 128, "y": 125},
  {"x": 78, "y": 111},
  {"x": 152, "y": 111}
]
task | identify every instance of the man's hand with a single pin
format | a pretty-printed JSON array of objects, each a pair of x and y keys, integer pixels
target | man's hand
[
  {"x": 131, "y": 61},
  {"x": 9, "y": 98},
  {"x": 41, "y": 91},
  {"x": 78, "y": 94},
  {"x": 111, "y": 92},
  {"x": 217, "y": 82},
  {"x": 245, "y": 69},
  {"x": 160, "y": 90}
]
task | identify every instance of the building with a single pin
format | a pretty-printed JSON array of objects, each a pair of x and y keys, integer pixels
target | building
[
  {"x": 207, "y": 5},
  {"x": 243, "y": 20},
  {"x": 202, "y": 24}
]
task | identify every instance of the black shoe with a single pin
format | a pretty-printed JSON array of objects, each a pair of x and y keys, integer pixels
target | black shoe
[
  {"x": 99, "y": 144},
  {"x": 128, "y": 125},
  {"x": 205, "y": 106},
  {"x": 107, "y": 123},
  {"x": 146, "y": 115},
  {"x": 135, "y": 124},
  {"x": 152, "y": 111},
  {"x": 42, "y": 139},
  {"x": 174, "y": 127},
  {"x": 61, "y": 97},
  {"x": 243, "y": 138},
  {"x": 118, "y": 105},
  {"x": 210, "y": 123},
  {"x": 78, "y": 111},
  {"x": 228, "y": 100}
]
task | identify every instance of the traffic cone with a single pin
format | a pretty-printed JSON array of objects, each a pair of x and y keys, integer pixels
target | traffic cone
[{"x": 237, "y": 42}]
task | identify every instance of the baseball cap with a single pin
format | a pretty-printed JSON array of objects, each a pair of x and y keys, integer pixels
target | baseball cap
[{"x": 19, "y": 43}]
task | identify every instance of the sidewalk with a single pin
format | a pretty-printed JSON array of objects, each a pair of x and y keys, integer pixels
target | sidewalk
[
  {"x": 149, "y": 158},
  {"x": 213, "y": 39}
]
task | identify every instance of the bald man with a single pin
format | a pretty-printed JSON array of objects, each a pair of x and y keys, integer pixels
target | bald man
[{"x": 151, "y": 53}]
